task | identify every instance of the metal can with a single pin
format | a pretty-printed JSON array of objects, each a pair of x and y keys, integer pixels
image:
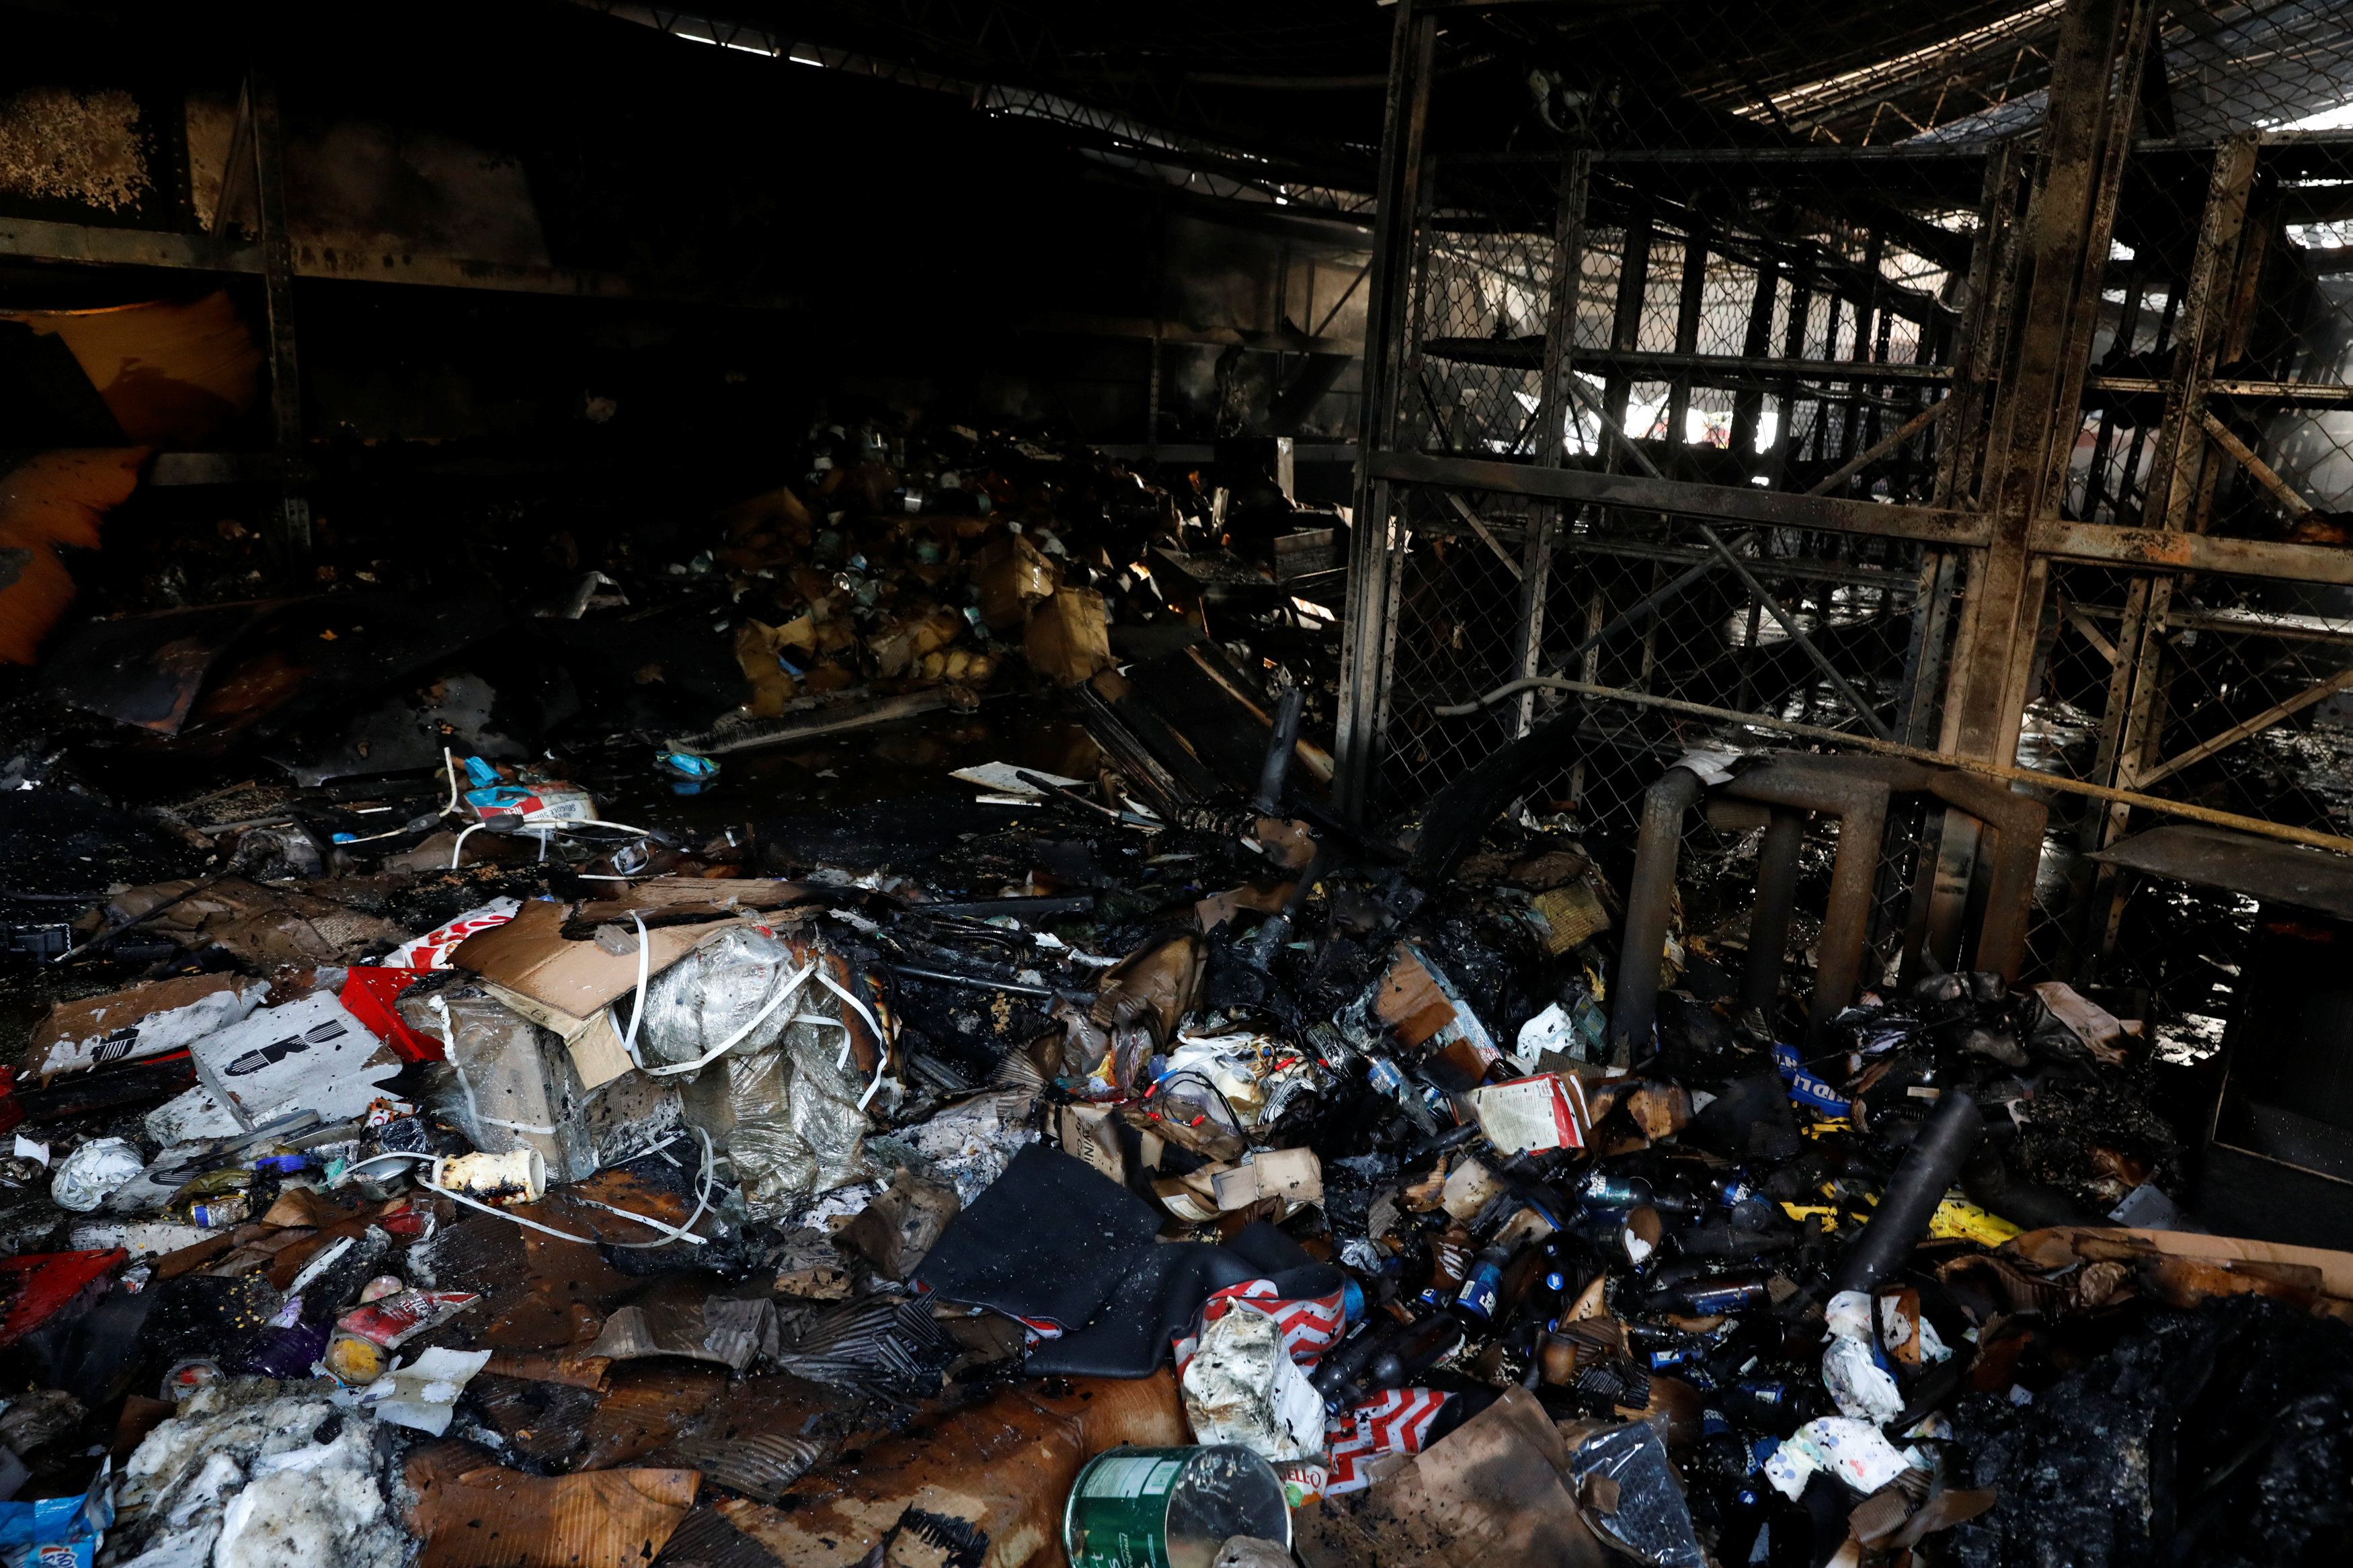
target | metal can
[{"x": 1171, "y": 1508}]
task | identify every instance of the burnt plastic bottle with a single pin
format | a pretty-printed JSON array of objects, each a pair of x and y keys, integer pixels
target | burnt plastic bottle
[
  {"x": 1482, "y": 1284},
  {"x": 1389, "y": 1358},
  {"x": 1450, "y": 1265},
  {"x": 1710, "y": 1294},
  {"x": 1724, "y": 1238},
  {"x": 1629, "y": 1237},
  {"x": 1551, "y": 1280},
  {"x": 1744, "y": 1207},
  {"x": 1347, "y": 1359},
  {"x": 1613, "y": 1190},
  {"x": 1740, "y": 1514}
]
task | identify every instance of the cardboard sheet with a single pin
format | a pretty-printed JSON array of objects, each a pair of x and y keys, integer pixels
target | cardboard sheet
[
  {"x": 2053, "y": 1248},
  {"x": 1489, "y": 1493},
  {"x": 529, "y": 956},
  {"x": 673, "y": 895},
  {"x": 1000, "y": 1471},
  {"x": 487, "y": 1516},
  {"x": 310, "y": 1055},
  {"x": 1067, "y": 640},
  {"x": 1548, "y": 1112},
  {"x": 1422, "y": 1007},
  {"x": 144, "y": 1021},
  {"x": 595, "y": 1042}
]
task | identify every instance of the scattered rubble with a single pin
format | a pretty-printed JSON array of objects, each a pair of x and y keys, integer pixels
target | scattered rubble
[{"x": 1135, "y": 1161}]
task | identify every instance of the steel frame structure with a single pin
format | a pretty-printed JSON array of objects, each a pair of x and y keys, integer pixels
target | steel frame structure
[{"x": 1979, "y": 532}]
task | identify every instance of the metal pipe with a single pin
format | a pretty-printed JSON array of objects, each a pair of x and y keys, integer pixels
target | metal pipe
[
  {"x": 105, "y": 937},
  {"x": 1928, "y": 1168},
  {"x": 1054, "y": 791},
  {"x": 1019, "y": 908},
  {"x": 983, "y": 983},
  {"x": 1633, "y": 1020},
  {"x": 2017, "y": 822},
  {"x": 1279, "y": 748},
  {"x": 1864, "y": 459},
  {"x": 1768, "y": 919}
]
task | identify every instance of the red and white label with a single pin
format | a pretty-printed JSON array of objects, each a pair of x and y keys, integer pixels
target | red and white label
[
  {"x": 1546, "y": 1111},
  {"x": 1395, "y": 1421},
  {"x": 432, "y": 949}
]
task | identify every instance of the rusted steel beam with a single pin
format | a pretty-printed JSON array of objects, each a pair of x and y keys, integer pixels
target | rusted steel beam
[
  {"x": 94, "y": 244},
  {"x": 1775, "y": 508},
  {"x": 2162, "y": 550},
  {"x": 2290, "y": 394},
  {"x": 1552, "y": 410},
  {"x": 1657, "y": 364},
  {"x": 293, "y": 539},
  {"x": 2182, "y": 447},
  {"x": 2144, "y": 777}
]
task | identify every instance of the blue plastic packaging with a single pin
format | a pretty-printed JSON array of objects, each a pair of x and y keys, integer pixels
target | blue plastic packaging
[
  {"x": 1805, "y": 1089},
  {"x": 59, "y": 1533}
]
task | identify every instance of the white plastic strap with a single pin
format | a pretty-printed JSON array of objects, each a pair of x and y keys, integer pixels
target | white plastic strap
[
  {"x": 676, "y": 1233},
  {"x": 509, "y": 1126},
  {"x": 638, "y": 1008},
  {"x": 792, "y": 988},
  {"x": 881, "y": 1041}
]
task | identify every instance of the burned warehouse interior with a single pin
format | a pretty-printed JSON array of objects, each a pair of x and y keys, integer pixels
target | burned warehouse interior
[{"x": 1368, "y": 784}]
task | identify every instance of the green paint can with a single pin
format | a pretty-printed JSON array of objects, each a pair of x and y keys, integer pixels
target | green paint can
[{"x": 1171, "y": 1508}]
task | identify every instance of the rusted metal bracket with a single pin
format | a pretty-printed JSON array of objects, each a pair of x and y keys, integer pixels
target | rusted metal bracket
[{"x": 1856, "y": 790}]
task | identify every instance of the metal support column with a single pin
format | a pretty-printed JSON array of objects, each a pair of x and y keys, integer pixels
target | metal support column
[
  {"x": 1867, "y": 319},
  {"x": 1785, "y": 425},
  {"x": 2096, "y": 75},
  {"x": 277, "y": 282},
  {"x": 1625, "y": 320},
  {"x": 2134, "y": 719},
  {"x": 1960, "y": 449},
  {"x": 1748, "y": 407},
  {"x": 1368, "y": 630},
  {"x": 1690, "y": 305},
  {"x": 1152, "y": 399},
  {"x": 1552, "y": 415},
  {"x": 2205, "y": 311}
]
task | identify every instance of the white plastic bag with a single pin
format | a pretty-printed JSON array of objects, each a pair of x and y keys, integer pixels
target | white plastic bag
[{"x": 91, "y": 1172}]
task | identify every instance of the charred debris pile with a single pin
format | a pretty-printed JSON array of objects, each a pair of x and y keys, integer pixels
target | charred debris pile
[{"x": 1137, "y": 1163}]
